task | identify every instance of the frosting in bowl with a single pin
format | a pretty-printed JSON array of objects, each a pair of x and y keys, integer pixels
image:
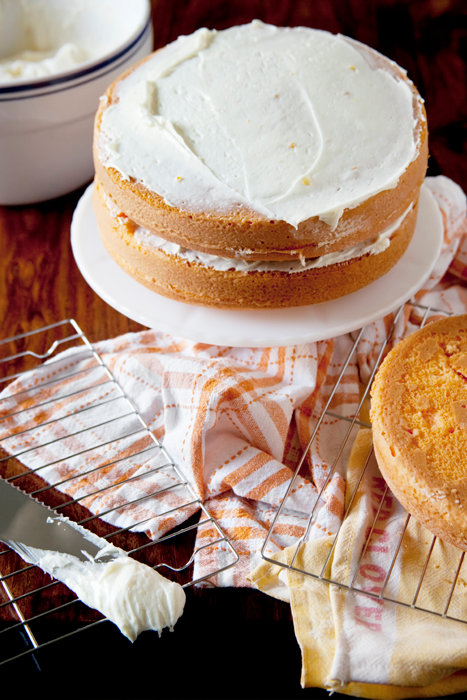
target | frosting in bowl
[
  {"x": 29, "y": 65},
  {"x": 289, "y": 122},
  {"x": 39, "y": 38}
]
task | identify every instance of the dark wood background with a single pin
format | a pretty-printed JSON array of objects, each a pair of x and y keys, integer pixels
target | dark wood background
[{"x": 229, "y": 643}]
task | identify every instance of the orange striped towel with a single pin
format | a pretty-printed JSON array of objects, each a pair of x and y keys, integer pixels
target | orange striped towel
[{"x": 235, "y": 420}]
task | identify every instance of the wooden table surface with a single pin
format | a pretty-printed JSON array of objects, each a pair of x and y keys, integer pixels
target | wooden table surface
[{"x": 229, "y": 643}]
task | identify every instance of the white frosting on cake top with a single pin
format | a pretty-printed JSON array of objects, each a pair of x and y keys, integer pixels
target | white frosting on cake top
[{"x": 288, "y": 122}]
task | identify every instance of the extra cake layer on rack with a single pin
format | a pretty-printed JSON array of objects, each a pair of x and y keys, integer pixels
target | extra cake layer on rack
[
  {"x": 419, "y": 419},
  {"x": 263, "y": 143},
  {"x": 206, "y": 280}
]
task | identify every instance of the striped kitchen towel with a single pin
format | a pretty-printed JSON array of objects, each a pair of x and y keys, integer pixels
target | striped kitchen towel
[{"x": 235, "y": 420}]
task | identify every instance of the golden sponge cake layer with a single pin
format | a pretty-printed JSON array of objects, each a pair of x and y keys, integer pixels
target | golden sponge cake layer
[{"x": 419, "y": 419}]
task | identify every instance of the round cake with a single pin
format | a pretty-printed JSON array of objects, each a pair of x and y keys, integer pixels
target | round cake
[
  {"x": 419, "y": 422},
  {"x": 282, "y": 164}
]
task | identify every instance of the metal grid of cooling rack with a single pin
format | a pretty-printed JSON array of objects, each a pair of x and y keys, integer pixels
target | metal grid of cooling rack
[
  {"x": 20, "y": 612},
  {"x": 321, "y": 568}
]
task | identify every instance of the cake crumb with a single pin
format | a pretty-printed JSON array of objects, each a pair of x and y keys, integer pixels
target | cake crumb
[{"x": 459, "y": 410}]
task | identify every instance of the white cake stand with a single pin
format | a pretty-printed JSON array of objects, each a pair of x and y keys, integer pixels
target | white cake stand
[{"x": 259, "y": 328}]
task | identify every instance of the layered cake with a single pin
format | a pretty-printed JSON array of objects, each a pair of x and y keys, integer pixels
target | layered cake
[
  {"x": 419, "y": 421},
  {"x": 259, "y": 167}
]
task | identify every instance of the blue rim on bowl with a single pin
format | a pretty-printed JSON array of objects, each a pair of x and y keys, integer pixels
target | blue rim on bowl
[
  {"x": 74, "y": 75},
  {"x": 70, "y": 80}
]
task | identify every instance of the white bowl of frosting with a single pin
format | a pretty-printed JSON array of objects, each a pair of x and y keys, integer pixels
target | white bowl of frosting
[{"x": 57, "y": 58}]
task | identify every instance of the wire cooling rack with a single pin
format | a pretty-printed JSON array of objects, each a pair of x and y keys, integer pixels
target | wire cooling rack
[
  {"x": 28, "y": 597},
  {"x": 387, "y": 588}
]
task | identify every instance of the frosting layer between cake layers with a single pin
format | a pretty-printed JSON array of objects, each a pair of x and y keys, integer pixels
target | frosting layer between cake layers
[
  {"x": 197, "y": 278},
  {"x": 373, "y": 246}
]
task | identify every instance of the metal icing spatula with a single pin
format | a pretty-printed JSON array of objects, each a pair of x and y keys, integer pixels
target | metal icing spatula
[{"x": 25, "y": 524}]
